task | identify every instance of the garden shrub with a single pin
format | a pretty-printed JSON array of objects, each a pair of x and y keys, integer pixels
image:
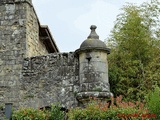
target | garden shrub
[
  {"x": 36, "y": 114},
  {"x": 117, "y": 110},
  {"x": 153, "y": 101},
  {"x": 29, "y": 114},
  {"x": 56, "y": 113}
]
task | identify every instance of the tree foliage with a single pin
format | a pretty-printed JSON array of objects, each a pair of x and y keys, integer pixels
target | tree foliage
[{"x": 134, "y": 62}]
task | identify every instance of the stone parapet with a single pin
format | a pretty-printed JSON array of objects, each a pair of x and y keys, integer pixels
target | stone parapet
[{"x": 50, "y": 79}]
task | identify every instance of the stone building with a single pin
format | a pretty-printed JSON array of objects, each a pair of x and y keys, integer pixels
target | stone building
[{"x": 34, "y": 73}]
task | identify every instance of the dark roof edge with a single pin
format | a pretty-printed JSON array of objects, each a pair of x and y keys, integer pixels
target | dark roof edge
[
  {"x": 52, "y": 44},
  {"x": 107, "y": 50},
  {"x": 51, "y": 40}
]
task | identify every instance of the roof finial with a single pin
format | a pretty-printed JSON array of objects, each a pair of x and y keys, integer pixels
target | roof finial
[{"x": 93, "y": 34}]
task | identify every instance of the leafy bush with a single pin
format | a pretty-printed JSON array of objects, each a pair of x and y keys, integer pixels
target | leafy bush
[
  {"x": 117, "y": 110},
  {"x": 36, "y": 114},
  {"x": 56, "y": 113},
  {"x": 29, "y": 114},
  {"x": 153, "y": 101}
]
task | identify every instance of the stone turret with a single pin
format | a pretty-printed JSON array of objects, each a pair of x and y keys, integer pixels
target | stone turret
[{"x": 93, "y": 68}]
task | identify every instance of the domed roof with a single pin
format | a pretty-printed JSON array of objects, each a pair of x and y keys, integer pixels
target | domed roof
[{"x": 93, "y": 42}]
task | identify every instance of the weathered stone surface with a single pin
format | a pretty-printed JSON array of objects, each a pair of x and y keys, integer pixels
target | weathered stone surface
[
  {"x": 93, "y": 68},
  {"x": 19, "y": 28},
  {"x": 49, "y": 79},
  {"x": 12, "y": 50}
]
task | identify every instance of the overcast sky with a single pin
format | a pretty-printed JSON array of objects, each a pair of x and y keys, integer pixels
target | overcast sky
[{"x": 69, "y": 20}]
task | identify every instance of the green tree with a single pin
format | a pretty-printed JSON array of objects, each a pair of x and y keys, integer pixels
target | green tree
[{"x": 134, "y": 43}]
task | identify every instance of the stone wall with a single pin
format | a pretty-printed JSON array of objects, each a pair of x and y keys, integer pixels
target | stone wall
[
  {"x": 35, "y": 46},
  {"x": 12, "y": 48},
  {"x": 19, "y": 38},
  {"x": 50, "y": 79}
]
